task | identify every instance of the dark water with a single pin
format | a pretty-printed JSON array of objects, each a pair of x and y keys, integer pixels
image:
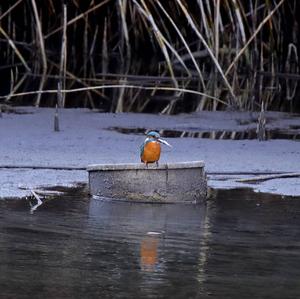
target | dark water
[
  {"x": 293, "y": 133},
  {"x": 239, "y": 245}
]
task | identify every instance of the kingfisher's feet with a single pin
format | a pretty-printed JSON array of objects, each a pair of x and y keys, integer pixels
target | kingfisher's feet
[{"x": 156, "y": 163}]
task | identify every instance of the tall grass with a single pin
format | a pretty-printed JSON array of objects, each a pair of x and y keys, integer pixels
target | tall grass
[{"x": 151, "y": 56}]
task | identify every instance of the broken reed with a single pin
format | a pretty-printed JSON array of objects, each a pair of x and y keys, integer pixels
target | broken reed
[{"x": 221, "y": 50}]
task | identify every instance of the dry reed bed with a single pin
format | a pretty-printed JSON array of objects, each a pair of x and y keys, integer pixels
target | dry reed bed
[{"x": 160, "y": 56}]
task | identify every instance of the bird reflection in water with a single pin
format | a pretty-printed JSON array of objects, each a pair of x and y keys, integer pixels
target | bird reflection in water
[{"x": 149, "y": 251}]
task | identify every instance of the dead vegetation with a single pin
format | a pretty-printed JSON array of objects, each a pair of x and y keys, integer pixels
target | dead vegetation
[{"x": 151, "y": 56}]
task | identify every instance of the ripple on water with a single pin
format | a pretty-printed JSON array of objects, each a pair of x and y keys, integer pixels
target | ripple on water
[{"x": 76, "y": 247}]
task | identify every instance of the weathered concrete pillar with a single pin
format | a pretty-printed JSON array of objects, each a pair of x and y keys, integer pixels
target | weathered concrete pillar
[{"x": 171, "y": 182}]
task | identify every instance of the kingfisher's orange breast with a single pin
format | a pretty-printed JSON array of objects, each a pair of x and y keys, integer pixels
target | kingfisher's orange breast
[{"x": 151, "y": 152}]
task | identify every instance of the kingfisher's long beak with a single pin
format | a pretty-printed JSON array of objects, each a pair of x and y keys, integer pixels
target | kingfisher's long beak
[{"x": 164, "y": 142}]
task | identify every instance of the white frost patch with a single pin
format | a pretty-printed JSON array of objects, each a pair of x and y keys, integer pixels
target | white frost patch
[
  {"x": 287, "y": 186},
  {"x": 19, "y": 182},
  {"x": 30, "y": 140},
  {"x": 284, "y": 186}
]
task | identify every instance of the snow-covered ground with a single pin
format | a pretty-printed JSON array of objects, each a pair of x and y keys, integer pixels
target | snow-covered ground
[{"x": 28, "y": 141}]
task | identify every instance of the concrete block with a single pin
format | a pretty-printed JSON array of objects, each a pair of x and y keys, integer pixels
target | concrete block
[{"x": 166, "y": 183}]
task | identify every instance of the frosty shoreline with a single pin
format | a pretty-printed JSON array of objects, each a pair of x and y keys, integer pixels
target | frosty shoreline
[{"x": 28, "y": 140}]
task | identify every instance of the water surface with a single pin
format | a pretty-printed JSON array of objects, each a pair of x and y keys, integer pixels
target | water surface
[{"x": 239, "y": 245}]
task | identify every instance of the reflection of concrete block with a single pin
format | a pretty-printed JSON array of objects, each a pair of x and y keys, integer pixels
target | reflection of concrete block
[{"x": 171, "y": 182}]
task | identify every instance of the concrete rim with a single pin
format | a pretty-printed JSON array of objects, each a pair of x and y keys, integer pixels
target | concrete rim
[{"x": 136, "y": 166}]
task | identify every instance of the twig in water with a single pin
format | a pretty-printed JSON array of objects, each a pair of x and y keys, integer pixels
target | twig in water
[
  {"x": 269, "y": 177},
  {"x": 39, "y": 201}
]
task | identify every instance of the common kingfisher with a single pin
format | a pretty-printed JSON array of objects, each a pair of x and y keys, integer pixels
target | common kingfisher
[{"x": 150, "y": 149}]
